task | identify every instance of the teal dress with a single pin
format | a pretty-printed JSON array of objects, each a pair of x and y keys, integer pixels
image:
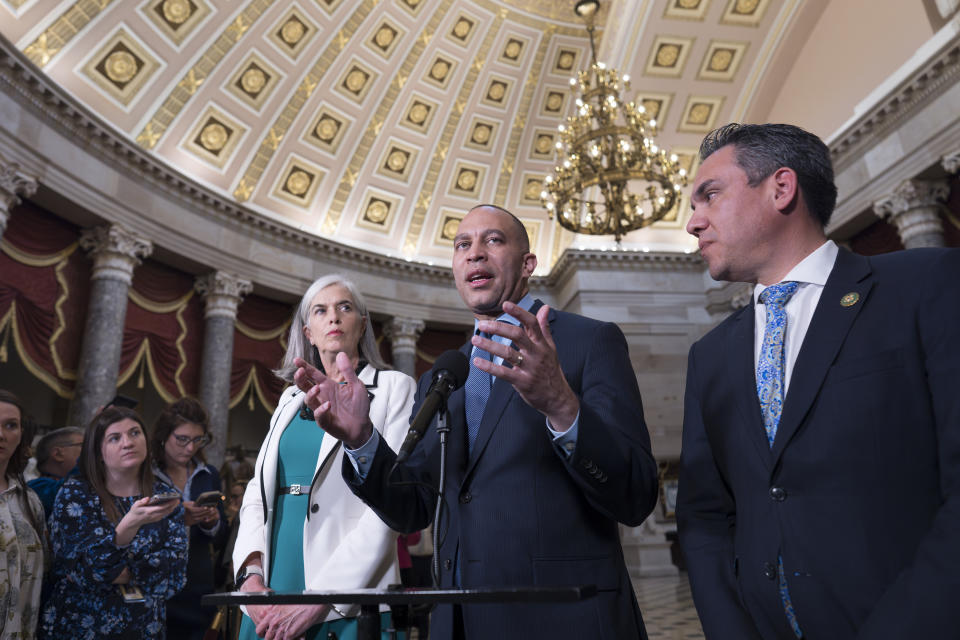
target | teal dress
[{"x": 298, "y": 451}]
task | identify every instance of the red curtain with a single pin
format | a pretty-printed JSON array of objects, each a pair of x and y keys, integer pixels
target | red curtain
[
  {"x": 44, "y": 285},
  {"x": 44, "y": 290},
  {"x": 259, "y": 342}
]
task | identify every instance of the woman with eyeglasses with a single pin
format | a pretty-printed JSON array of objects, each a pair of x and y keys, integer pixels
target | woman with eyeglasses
[
  {"x": 300, "y": 525},
  {"x": 118, "y": 537},
  {"x": 178, "y": 438}
]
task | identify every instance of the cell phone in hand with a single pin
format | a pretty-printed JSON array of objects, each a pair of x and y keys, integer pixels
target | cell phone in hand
[
  {"x": 160, "y": 498},
  {"x": 209, "y": 499},
  {"x": 131, "y": 593}
]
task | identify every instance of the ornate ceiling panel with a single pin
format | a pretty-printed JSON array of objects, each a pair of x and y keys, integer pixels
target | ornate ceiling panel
[{"x": 378, "y": 123}]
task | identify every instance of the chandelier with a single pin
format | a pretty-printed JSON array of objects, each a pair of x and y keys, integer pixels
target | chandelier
[{"x": 612, "y": 177}]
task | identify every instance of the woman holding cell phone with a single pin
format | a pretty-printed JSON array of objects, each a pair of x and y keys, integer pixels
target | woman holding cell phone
[
  {"x": 177, "y": 441},
  {"x": 118, "y": 537}
]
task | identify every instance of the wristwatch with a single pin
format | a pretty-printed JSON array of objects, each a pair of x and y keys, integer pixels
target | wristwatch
[{"x": 246, "y": 572}]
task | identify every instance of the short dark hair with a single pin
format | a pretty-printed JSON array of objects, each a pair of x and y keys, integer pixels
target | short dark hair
[
  {"x": 522, "y": 230},
  {"x": 52, "y": 440},
  {"x": 761, "y": 149},
  {"x": 184, "y": 410}
]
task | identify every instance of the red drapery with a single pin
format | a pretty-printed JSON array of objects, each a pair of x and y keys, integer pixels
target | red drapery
[
  {"x": 44, "y": 286},
  {"x": 259, "y": 343},
  {"x": 44, "y": 291}
]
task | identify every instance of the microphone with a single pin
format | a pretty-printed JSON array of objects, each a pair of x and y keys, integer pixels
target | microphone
[{"x": 449, "y": 374}]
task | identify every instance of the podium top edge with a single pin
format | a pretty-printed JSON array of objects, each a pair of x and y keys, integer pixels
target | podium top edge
[{"x": 406, "y": 596}]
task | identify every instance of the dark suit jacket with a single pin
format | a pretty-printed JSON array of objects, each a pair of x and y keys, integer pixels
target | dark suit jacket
[
  {"x": 523, "y": 515},
  {"x": 860, "y": 490}
]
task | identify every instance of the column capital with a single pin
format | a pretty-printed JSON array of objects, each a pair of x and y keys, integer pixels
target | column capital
[
  {"x": 912, "y": 194},
  {"x": 951, "y": 162},
  {"x": 14, "y": 185},
  {"x": 115, "y": 251},
  {"x": 403, "y": 334},
  {"x": 222, "y": 292},
  {"x": 914, "y": 207},
  {"x": 402, "y": 329}
]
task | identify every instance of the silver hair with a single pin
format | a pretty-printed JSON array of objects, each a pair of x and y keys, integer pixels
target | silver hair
[{"x": 299, "y": 347}]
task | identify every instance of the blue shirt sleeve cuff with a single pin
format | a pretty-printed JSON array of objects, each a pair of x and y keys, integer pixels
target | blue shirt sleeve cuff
[
  {"x": 566, "y": 441},
  {"x": 362, "y": 457}
]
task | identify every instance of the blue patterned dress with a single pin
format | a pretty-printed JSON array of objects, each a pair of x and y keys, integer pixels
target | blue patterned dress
[{"x": 83, "y": 603}]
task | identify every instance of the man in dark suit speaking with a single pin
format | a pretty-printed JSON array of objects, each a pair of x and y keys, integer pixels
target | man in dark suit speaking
[
  {"x": 548, "y": 452},
  {"x": 820, "y": 467}
]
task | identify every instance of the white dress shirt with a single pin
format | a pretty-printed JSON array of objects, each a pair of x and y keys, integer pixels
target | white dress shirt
[{"x": 812, "y": 273}]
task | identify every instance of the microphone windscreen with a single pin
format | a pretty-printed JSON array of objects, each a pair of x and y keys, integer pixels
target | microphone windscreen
[{"x": 456, "y": 364}]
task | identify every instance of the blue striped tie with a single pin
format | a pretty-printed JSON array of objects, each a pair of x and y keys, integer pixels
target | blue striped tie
[{"x": 477, "y": 391}]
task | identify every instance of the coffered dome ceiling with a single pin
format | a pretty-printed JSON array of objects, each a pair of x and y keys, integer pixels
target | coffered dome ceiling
[{"x": 379, "y": 123}]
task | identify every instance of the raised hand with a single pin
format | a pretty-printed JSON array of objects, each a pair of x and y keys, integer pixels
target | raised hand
[
  {"x": 534, "y": 369},
  {"x": 340, "y": 408}
]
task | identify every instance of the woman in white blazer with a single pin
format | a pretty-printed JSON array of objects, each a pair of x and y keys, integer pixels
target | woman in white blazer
[{"x": 300, "y": 526}]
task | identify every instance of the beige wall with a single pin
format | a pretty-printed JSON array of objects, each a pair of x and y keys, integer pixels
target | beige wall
[{"x": 854, "y": 47}]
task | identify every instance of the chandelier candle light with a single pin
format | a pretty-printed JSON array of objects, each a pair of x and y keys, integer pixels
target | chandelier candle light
[{"x": 609, "y": 144}]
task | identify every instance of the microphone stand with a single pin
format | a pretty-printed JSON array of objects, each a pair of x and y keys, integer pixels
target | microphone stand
[{"x": 443, "y": 430}]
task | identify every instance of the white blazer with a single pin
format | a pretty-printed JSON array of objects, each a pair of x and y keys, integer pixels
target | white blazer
[{"x": 345, "y": 544}]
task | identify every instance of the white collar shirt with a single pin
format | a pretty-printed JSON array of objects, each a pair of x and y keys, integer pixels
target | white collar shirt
[{"x": 812, "y": 273}]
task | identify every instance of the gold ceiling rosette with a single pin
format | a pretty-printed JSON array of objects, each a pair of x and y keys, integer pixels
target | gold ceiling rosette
[{"x": 612, "y": 176}]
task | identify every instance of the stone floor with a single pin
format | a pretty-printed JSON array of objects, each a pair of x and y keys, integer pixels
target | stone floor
[{"x": 668, "y": 608}]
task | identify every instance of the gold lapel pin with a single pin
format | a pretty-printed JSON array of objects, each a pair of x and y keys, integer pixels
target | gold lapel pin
[{"x": 850, "y": 299}]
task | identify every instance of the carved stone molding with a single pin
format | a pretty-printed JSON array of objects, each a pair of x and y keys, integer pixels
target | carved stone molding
[
  {"x": 573, "y": 260},
  {"x": 115, "y": 251},
  {"x": 13, "y": 185},
  {"x": 914, "y": 207},
  {"x": 951, "y": 162},
  {"x": 222, "y": 293},
  {"x": 938, "y": 73}
]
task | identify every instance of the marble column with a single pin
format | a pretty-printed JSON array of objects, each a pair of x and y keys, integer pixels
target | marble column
[
  {"x": 951, "y": 162},
  {"x": 115, "y": 252},
  {"x": 13, "y": 186},
  {"x": 222, "y": 293},
  {"x": 403, "y": 334},
  {"x": 914, "y": 207}
]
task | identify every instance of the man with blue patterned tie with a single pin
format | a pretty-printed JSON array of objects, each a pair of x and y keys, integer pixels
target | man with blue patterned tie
[
  {"x": 548, "y": 453},
  {"x": 820, "y": 467}
]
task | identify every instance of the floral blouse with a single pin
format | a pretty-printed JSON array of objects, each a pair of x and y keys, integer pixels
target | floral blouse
[
  {"x": 21, "y": 563},
  {"x": 84, "y": 604}
]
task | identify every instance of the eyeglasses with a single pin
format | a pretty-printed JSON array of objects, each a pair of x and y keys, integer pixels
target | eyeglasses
[
  {"x": 200, "y": 441},
  {"x": 72, "y": 444}
]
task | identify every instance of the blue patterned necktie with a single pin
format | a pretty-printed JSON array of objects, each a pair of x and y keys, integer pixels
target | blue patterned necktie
[
  {"x": 477, "y": 391},
  {"x": 770, "y": 373},
  {"x": 770, "y": 379}
]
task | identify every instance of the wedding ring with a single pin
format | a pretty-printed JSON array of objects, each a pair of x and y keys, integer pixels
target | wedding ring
[{"x": 518, "y": 361}]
